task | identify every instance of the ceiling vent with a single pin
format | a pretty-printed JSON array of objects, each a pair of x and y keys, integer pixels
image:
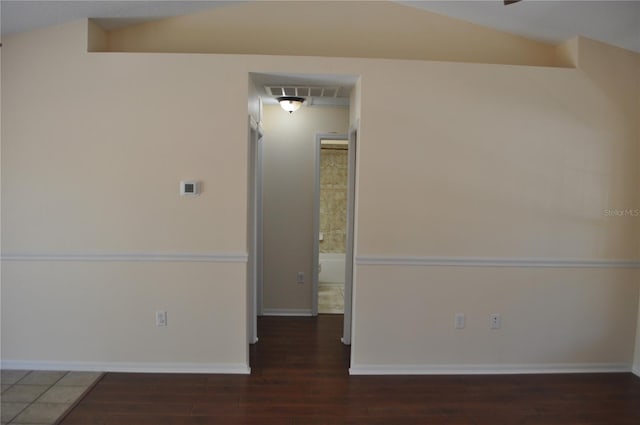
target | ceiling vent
[{"x": 307, "y": 91}]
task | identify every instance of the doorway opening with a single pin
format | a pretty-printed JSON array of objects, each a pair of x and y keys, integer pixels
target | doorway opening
[
  {"x": 284, "y": 157},
  {"x": 332, "y": 167}
]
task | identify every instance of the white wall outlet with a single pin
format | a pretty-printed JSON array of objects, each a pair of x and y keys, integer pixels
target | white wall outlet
[
  {"x": 495, "y": 321},
  {"x": 459, "y": 320},
  {"x": 161, "y": 318},
  {"x": 300, "y": 277}
]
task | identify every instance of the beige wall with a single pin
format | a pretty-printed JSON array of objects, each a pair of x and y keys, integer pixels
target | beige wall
[
  {"x": 94, "y": 147},
  {"x": 600, "y": 62},
  {"x": 490, "y": 174},
  {"x": 322, "y": 28},
  {"x": 288, "y": 192},
  {"x": 505, "y": 163},
  {"x": 483, "y": 161},
  {"x": 89, "y": 134},
  {"x": 97, "y": 38},
  {"x": 100, "y": 315},
  {"x": 550, "y": 317}
]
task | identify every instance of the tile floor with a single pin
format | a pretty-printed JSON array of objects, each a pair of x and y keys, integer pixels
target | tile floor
[
  {"x": 40, "y": 397},
  {"x": 331, "y": 298}
]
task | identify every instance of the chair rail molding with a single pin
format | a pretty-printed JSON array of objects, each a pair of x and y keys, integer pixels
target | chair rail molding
[
  {"x": 130, "y": 257},
  {"x": 495, "y": 262}
]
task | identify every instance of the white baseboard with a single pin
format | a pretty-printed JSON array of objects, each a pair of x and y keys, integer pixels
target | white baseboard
[
  {"x": 286, "y": 312},
  {"x": 488, "y": 369},
  {"x": 636, "y": 371},
  {"x": 230, "y": 368}
]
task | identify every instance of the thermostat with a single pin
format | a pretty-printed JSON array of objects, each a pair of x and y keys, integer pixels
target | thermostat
[{"x": 189, "y": 187}]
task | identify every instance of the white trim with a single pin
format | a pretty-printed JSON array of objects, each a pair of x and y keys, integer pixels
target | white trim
[
  {"x": 494, "y": 262},
  {"x": 254, "y": 229},
  {"x": 636, "y": 371},
  {"x": 489, "y": 369},
  {"x": 253, "y": 124},
  {"x": 130, "y": 257},
  {"x": 349, "y": 272},
  {"x": 232, "y": 368},
  {"x": 287, "y": 312},
  {"x": 315, "y": 224}
]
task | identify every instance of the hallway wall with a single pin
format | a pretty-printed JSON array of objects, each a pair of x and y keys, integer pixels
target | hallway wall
[{"x": 289, "y": 185}]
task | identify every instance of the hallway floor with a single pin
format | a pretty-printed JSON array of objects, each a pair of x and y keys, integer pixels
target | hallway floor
[
  {"x": 299, "y": 376},
  {"x": 330, "y": 298}
]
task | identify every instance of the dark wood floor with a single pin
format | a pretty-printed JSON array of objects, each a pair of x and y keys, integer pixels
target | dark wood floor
[{"x": 299, "y": 376}]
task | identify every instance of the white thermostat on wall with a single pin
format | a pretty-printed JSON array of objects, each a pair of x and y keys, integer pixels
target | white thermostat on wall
[{"x": 190, "y": 187}]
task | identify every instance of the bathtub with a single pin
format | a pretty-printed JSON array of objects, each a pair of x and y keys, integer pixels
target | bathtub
[{"x": 331, "y": 268}]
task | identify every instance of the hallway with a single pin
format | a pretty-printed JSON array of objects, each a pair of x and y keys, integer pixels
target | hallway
[
  {"x": 305, "y": 346},
  {"x": 299, "y": 376}
]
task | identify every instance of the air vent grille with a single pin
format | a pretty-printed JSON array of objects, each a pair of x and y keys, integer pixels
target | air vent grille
[{"x": 306, "y": 91}]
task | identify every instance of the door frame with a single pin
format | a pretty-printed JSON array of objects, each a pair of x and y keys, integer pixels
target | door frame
[
  {"x": 350, "y": 237},
  {"x": 254, "y": 229}
]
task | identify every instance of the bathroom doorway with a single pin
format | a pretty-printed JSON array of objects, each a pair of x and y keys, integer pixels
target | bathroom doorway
[
  {"x": 334, "y": 216},
  {"x": 331, "y": 203}
]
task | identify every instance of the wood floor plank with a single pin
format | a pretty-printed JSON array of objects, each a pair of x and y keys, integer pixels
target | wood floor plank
[{"x": 299, "y": 376}]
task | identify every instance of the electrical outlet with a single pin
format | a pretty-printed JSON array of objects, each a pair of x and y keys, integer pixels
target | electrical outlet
[
  {"x": 459, "y": 320},
  {"x": 495, "y": 321},
  {"x": 300, "y": 277},
  {"x": 161, "y": 318}
]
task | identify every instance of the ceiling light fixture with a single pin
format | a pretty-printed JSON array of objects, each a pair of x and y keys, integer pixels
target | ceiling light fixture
[{"x": 290, "y": 103}]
